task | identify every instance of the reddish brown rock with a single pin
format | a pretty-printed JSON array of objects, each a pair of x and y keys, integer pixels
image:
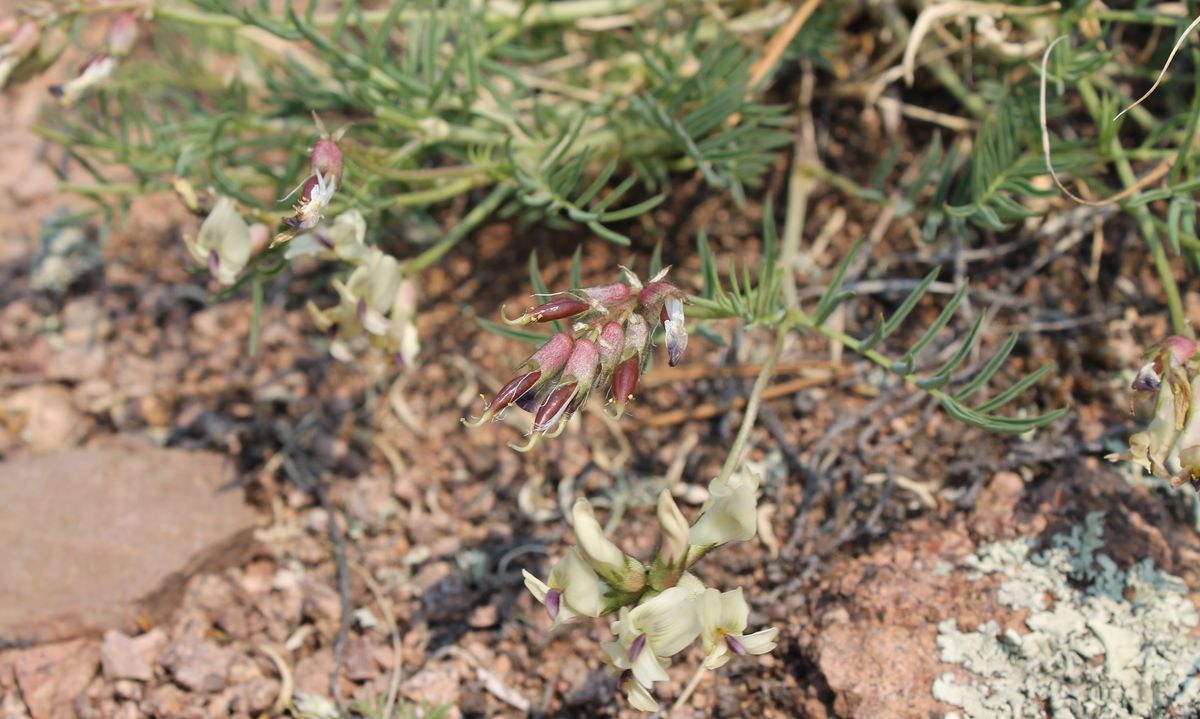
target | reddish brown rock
[
  {"x": 196, "y": 665},
  {"x": 98, "y": 539},
  {"x": 53, "y": 675}
]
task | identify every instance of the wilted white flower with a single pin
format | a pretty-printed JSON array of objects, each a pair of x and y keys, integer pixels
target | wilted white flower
[
  {"x": 723, "y": 617},
  {"x": 93, "y": 73},
  {"x": 676, "y": 332},
  {"x": 573, "y": 589},
  {"x": 730, "y": 512},
  {"x": 223, "y": 243}
]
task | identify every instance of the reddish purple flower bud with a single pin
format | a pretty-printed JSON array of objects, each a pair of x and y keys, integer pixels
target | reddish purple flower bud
[
  {"x": 607, "y": 294},
  {"x": 656, "y": 293},
  {"x": 556, "y": 309},
  {"x": 625, "y": 380},
  {"x": 553, "y": 602},
  {"x": 636, "y": 647},
  {"x": 735, "y": 645},
  {"x": 513, "y": 391},
  {"x": 551, "y": 356},
  {"x": 612, "y": 342},
  {"x": 581, "y": 365},
  {"x": 553, "y": 409},
  {"x": 327, "y": 160}
]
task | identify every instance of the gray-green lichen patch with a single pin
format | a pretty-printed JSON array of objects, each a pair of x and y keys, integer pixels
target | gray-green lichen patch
[{"x": 1101, "y": 642}]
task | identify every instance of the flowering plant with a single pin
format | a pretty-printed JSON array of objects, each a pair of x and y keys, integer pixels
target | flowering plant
[{"x": 662, "y": 607}]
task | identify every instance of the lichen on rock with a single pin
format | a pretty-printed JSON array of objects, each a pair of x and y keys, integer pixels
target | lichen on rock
[{"x": 1101, "y": 642}]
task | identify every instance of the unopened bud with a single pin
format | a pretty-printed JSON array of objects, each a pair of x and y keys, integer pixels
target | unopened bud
[
  {"x": 122, "y": 34},
  {"x": 555, "y": 309},
  {"x": 328, "y": 161},
  {"x": 607, "y": 294}
]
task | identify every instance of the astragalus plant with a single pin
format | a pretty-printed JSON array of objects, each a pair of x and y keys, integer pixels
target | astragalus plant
[{"x": 305, "y": 132}]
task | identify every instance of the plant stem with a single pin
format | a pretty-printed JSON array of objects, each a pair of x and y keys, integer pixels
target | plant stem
[
  {"x": 734, "y": 458},
  {"x": 474, "y": 218},
  {"x": 1162, "y": 264}
]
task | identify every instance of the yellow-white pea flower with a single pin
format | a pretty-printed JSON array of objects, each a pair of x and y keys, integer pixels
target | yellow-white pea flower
[
  {"x": 723, "y": 617},
  {"x": 571, "y": 591},
  {"x": 223, "y": 243},
  {"x": 612, "y": 564},
  {"x": 730, "y": 513},
  {"x": 675, "y": 531},
  {"x": 669, "y": 620},
  {"x": 344, "y": 239}
]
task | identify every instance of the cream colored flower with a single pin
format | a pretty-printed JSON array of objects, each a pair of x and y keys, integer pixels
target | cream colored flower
[
  {"x": 223, "y": 242},
  {"x": 669, "y": 620},
  {"x": 606, "y": 557},
  {"x": 344, "y": 239},
  {"x": 730, "y": 512},
  {"x": 723, "y": 617},
  {"x": 571, "y": 591},
  {"x": 675, "y": 530}
]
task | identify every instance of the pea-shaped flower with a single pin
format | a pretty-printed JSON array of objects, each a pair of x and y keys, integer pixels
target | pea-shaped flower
[
  {"x": 730, "y": 513},
  {"x": 571, "y": 591},
  {"x": 723, "y": 618},
  {"x": 223, "y": 242}
]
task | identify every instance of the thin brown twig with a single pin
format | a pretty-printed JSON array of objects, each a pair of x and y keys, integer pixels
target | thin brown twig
[
  {"x": 709, "y": 410},
  {"x": 655, "y": 378}
]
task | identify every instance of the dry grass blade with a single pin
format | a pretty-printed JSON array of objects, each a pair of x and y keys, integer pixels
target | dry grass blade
[{"x": 1145, "y": 181}]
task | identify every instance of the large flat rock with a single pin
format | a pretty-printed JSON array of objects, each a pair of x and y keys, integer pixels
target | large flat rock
[{"x": 97, "y": 539}]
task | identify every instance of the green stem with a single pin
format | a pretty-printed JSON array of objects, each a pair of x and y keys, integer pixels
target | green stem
[
  {"x": 1162, "y": 264},
  {"x": 734, "y": 459},
  {"x": 474, "y": 218}
]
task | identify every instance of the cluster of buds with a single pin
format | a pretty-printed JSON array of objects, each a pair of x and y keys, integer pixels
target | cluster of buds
[
  {"x": 317, "y": 191},
  {"x": 118, "y": 42},
  {"x": 29, "y": 43},
  {"x": 605, "y": 351},
  {"x": 377, "y": 304},
  {"x": 1169, "y": 447},
  {"x": 225, "y": 242},
  {"x": 662, "y": 608}
]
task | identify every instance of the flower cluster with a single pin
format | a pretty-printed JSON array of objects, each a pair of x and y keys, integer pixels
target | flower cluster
[
  {"x": 1170, "y": 446},
  {"x": 30, "y": 41},
  {"x": 661, "y": 608},
  {"x": 318, "y": 190},
  {"x": 377, "y": 303},
  {"x": 605, "y": 351}
]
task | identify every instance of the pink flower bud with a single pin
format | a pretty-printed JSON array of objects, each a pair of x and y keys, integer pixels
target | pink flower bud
[
  {"x": 122, "y": 34},
  {"x": 550, "y": 357},
  {"x": 655, "y": 294},
  {"x": 607, "y": 294},
  {"x": 581, "y": 365},
  {"x": 328, "y": 161}
]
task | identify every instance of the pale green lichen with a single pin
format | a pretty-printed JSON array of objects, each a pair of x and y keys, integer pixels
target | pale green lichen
[{"x": 1101, "y": 642}]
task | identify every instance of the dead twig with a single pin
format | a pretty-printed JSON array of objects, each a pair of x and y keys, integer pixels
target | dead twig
[{"x": 709, "y": 410}]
